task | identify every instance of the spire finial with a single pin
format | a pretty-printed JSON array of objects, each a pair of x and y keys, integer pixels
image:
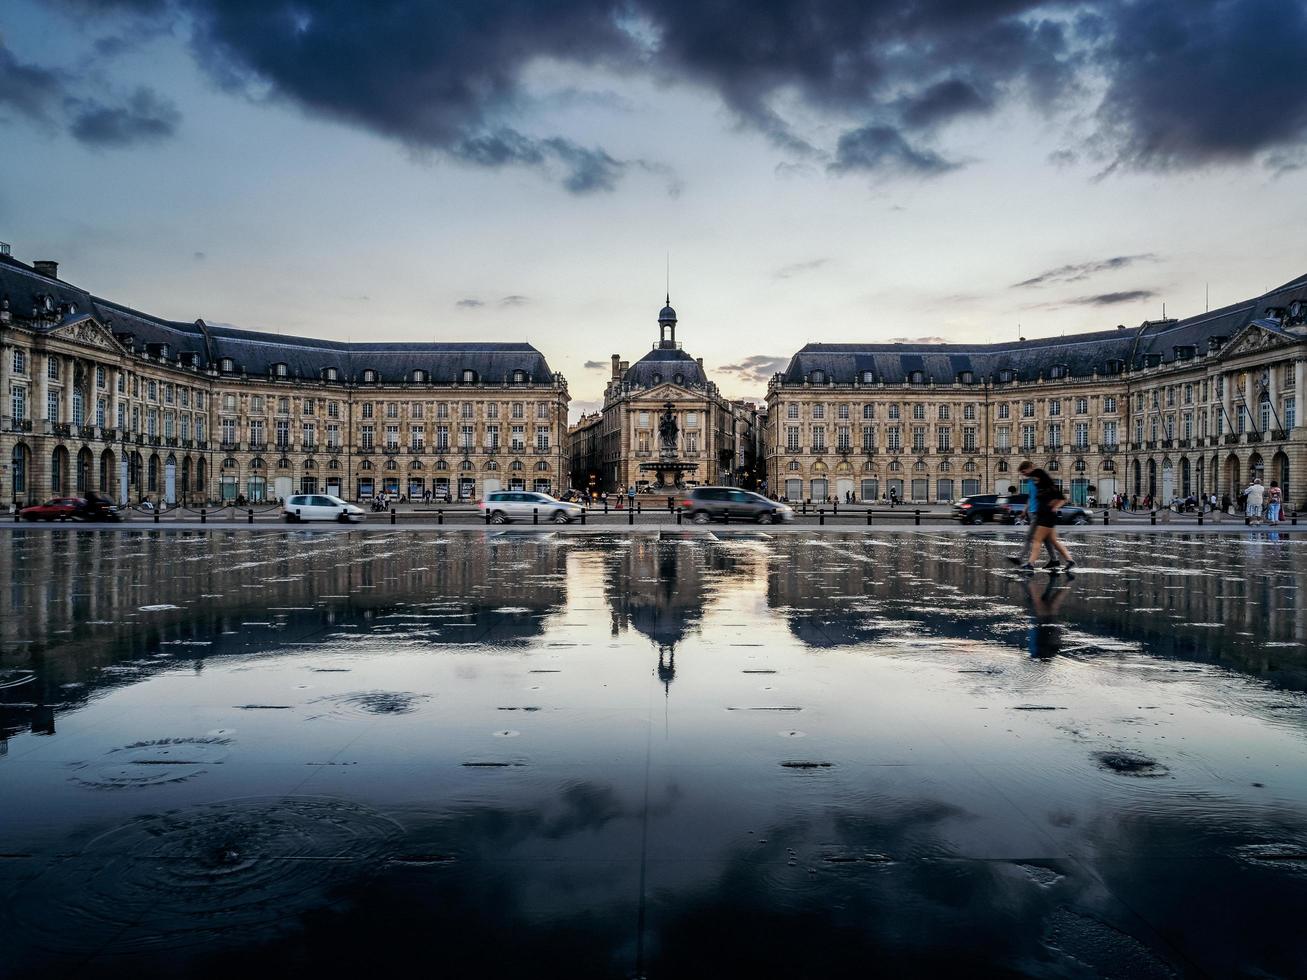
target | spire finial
[{"x": 669, "y": 278}]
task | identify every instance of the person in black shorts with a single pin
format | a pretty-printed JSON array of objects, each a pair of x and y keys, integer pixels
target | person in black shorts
[{"x": 1048, "y": 500}]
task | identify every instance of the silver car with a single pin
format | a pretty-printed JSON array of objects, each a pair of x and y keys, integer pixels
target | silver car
[
  {"x": 523, "y": 505},
  {"x": 703, "y": 504}
]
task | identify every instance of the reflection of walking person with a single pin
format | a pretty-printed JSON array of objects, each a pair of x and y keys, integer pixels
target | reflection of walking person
[
  {"x": 1028, "y": 486},
  {"x": 1048, "y": 501},
  {"x": 1044, "y": 638}
]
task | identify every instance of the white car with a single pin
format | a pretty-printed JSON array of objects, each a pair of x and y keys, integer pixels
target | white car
[
  {"x": 319, "y": 507},
  {"x": 522, "y": 505}
]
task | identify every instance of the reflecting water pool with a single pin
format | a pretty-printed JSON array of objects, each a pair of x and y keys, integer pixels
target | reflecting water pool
[{"x": 675, "y": 755}]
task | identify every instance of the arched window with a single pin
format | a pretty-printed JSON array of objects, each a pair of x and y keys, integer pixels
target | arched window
[
  {"x": 283, "y": 463},
  {"x": 415, "y": 465},
  {"x": 333, "y": 464},
  {"x": 680, "y": 379},
  {"x": 310, "y": 464},
  {"x": 257, "y": 463},
  {"x": 392, "y": 464},
  {"x": 466, "y": 466},
  {"x": 1005, "y": 376},
  {"x": 917, "y": 378},
  {"x": 1002, "y": 466},
  {"x": 793, "y": 466},
  {"x": 230, "y": 463},
  {"x": 366, "y": 464},
  {"x": 657, "y": 379},
  {"x": 542, "y": 467},
  {"x": 515, "y": 465},
  {"x": 441, "y": 465}
]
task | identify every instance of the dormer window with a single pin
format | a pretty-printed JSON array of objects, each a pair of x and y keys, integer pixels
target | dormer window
[
  {"x": 369, "y": 376},
  {"x": 279, "y": 370},
  {"x": 680, "y": 379},
  {"x": 819, "y": 377},
  {"x": 1005, "y": 376},
  {"x": 1184, "y": 352},
  {"x": 519, "y": 377},
  {"x": 330, "y": 374},
  {"x": 227, "y": 365},
  {"x": 966, "y": 377},
  {"x": 469, "y": 376},
  {"x": 1115, "y": 366},
  {"x": 1152, "y": 360},
  {"x": 72, "y": 309},
  {"x": 419, "y": 376},
  {"x": 868, "y": 377},
  {"x": 1057, "y": 371},
  {"x": 917, "y": 378},
  {"x": 657, "y": 379}
]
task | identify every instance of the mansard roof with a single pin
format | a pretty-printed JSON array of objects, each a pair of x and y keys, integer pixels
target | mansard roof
[
  {"x": 1079, "y": 355},
  {"x": 665, "y": 363},
  {"x": 256, "y": 352}
]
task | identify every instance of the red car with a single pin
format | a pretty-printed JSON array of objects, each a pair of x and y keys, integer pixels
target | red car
[{"x": 71, "y": 509}]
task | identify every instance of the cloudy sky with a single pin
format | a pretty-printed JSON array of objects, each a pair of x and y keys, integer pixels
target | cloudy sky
[{"x": 522, "y": 169}]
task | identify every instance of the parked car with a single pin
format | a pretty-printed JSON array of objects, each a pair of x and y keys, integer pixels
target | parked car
[
  {"x": 979, "y": 508},
  {"x": 1014, "y": 511},
  {"x": 319, "y": 507},
  {"x": 95, "y": 508},
  {"x": 522, "y": 505},
  {"x": 703, "y": 504}
]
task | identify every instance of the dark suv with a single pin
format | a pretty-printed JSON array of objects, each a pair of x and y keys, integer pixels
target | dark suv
[
  {"x": 979, "y": 508},
  {"x": 703, "y": 504}
]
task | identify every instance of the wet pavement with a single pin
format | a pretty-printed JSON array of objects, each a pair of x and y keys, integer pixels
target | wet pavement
[{"x": 674, "y": 754}]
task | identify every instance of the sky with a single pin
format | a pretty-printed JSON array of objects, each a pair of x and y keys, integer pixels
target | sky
[{"x": 809, "y": 170}]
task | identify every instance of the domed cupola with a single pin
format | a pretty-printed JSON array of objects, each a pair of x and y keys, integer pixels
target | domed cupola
[{"x": 667, "y": 325}]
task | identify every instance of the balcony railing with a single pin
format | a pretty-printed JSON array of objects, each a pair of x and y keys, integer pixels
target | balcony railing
[
  {"x": 1232, "y": 439},
  {"x": 61, "y": 429},
  {"x": 87, "y": 432},
  {"x": 1279, "y": 435},
  {"x": 1108, "y": 447},
  {"x": 229, "y": 447}
]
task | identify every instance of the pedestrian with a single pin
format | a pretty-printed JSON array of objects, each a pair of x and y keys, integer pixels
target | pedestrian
[
  {"x": 1273, "y": 498},
  {"x": 1253, "y": 497},
  {"x": 1049, "y": 500},
  {"x": 1028, "y": 487},
  {"x": 893, "y": 497},
  {"x": 1225, "y": 503}
]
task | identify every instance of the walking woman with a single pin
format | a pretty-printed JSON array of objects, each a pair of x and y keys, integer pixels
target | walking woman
[{"x": 1048, "y": 501}]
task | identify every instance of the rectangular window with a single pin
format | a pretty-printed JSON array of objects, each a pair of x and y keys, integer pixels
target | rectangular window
[
  {"x": 969, "y": 412},
  {"x": 392, "y": 436},
  {"x": 1054, "y": 407},
  {"x": 367, "y": 410},
  {"x": 843, "y": 411},
  {"x": 691, "y": 420},
  {"x": 186, "y": 426},
  {"x": 819, "y": 411},
  {"x": 365, "y": 437},
  {"x": 122, "y": 416},
  {"x": 1027, "y": 438},
  {"x": 692, "y": 442},
  {"x": 168, "y": 432},
  {"x": 52, "y": 367},
  {"x": 1003, "y": 438},
  {"x": 466, "y": 437},
  {"x": 517, "y": 438},
  {"x": 1055, "y": 435},
  {"x": 868, "y": 411},
  {"x": 1027, "y": 410},
  {"x": 1290, "y": 412},
  {"x": 18, "y": 403},
  {"x": 1109, "y": 403},
  {"x": 519, "y": 410},
  {"x": 919, "y": 412},
  {"x": 893, "y": 439},
  {"x": 1188, "y": 427},
  {"x": 99, "y": 376},
  {"x": 1109, "y": 433},
  {"x": 283, "y": 405},
  {"x": 542, "y": 410},
  {"x": 894, "y": 412},
  {"x": 842, "y": 438},
  {"x": 792, "y": 410},
  {"x": 542, "y": 437},
  {"x": 944, "y": 438},
  {"x": 417, "y": 437},
  {"x": 969, "y": 438},
  {"x": 868, "y": 439},
  {"x": 152, "y": 423},
  {"x": 52, "y": 406},
  {"x": 492, "y": 437},
  {"x": 392, "y": 410},
  {"x": 256, "y": 432},
  {"x": 465, "y": 410},
  {"x": 1082, "y": 406},
  {"x": 492, "y": 410},
  {"x": 20, "y": 362},
  {"x": 308, "y": 406},
  {"x": 792, "y": 438},
  {"x": 642, "y": 419},
  {"x": 333, "y": 410},
  {"x": 1004, "y": 411},
  {"x": 918, "y": 438},
  {"x": 442, "y": 438},
  {"x": 333, "y": 435},
  {"x": 818, "y": 438},
  {"x": 308, "y": 435},
  {"x": 283, "y": 433},
  {"x": 943, "y": 413},
  {"x": 1082, "y": 435},
  {"x": 228, "y": 430}
]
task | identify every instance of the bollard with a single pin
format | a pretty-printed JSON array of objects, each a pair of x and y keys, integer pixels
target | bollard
[
  {"x": 678, "y": 516},
  {"x": 835, "y": 508},
  {"x": 1200, "y": 519},
  {"x": 821, "y": 516},
  {"x": 1105, "y": 518},
  {"x": 605, "y": 504},
  {"x": 637, "y": 506},
  {"x": 630, "y": 515},
  {"x": 868, "y": 517},
  {"x": 251, "y": 516},
  {"x": 583, "y": 517},
  {"x": 726, "y": 516},
  {"x": 535, "y": 515},
  {"x": 204, "y": 516},
  {"x": 1152, "y": 517},
  {"x": 440, "y": 516},
  {"x": 487, "y": 517},
  {"x": 156, "y": 515},
  {"x": 392, "y": 515},
  {"x": 804, "y": 505},
  {"x": 917, "y": 517},
  {"x": 1293, "y": 518}
]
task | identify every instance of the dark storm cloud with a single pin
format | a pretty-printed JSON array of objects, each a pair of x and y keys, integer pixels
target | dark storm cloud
[
  {"x": 144, "y": 117},
  {"x": 1101, "y": 299},
  {"x": 756, "y": 367},
  {"x": 1168, "y": 84},
  {"x": 27, "y": 89},
  {"x": 884, "y": 149},
  {"x": 1083, "y": 270}
]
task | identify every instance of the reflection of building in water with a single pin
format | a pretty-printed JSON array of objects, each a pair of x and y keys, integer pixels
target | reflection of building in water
[
  {"x": 91, "y": 609},
  {"x": 1225, "y": 610}
]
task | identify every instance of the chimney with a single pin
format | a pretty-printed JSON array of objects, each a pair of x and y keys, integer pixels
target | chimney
[
  {"x": 699, "y": 361},
  {"x": 617, "y": 371},
  {"x": 46, "y": 267}
]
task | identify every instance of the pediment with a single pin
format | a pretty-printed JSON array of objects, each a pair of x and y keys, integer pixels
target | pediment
[
  {"x": 1255, "y": 338},
  {"x": 670, "y": 391},
  {"x": 89, "y": 333}
]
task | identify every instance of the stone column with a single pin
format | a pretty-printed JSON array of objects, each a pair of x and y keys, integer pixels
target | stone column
[
  {"x": 40, "y": 386},
  {"x": 70, "y": 380},
  {"x": 111, "y": 409},
  {"x": 6, "y": 404},
  {"x": 1299, "y": 381},
  {"x": 1273, "y": 392},
  {"x": 1250, "y": 400},
  {"x": 1227, "y": 401}
]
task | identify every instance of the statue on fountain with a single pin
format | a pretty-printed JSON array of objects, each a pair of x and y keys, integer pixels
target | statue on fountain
[{"x": 668, "y": 430}]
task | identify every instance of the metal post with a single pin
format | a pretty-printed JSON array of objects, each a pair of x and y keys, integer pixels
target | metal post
[
  {"x": 605, "y": 505},
  {"x": 726, "y": 516},
  {"x": 1152, "y": 517},
  {"x": 821, "y": 516},
  {"x": 583, "y": 517},
  {"x": 917, "y": 517},
  {"x": 487, "y": 517},
  {"x": 630, "y": 515},
  {"x": 679, "y": 512},
  {"x": 868, "y": 517},
  {"x": 1106, "y": 519},
  {"x": 637, "y": 505},
  {"x": 1200, "y": 519},
  {"x": 156, "y": 515},
  {"x": 835, "y": 508},
  {"x": 535, "y": 515},
  {"x": 804, "y": 506},
  {"x": 440, "y": 516},
  {"x": 204, "y": 515},
  {"x": 392, "y": 515},
  {"x": 251, "y": 516}
]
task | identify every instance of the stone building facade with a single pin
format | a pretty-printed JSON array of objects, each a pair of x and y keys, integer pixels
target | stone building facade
[
  {"x": 97, "y": 396},
  {"x": 1170, "y": 408},
  {"x": 621, "y": 446}
]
